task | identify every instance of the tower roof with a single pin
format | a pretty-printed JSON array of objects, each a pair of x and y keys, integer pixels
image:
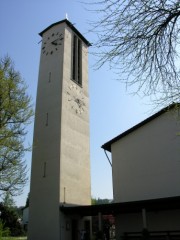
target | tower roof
[{"x": 71, "y": 26}]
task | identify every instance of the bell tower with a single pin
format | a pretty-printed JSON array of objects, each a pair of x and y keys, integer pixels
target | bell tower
[{"x": 61, "y": 159}]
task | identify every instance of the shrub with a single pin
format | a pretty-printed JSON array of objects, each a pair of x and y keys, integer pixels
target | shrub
[{"x": 4, "y": 231}]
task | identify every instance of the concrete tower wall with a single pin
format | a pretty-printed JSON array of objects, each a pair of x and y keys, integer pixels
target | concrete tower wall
[
  {"x": 75, "y": 165},
  {"x": 60, "y": 161}
]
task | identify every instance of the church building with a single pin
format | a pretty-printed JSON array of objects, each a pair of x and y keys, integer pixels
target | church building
[
  {"x": 145, "y": 158},
  {"x": 61, "y": 159}
]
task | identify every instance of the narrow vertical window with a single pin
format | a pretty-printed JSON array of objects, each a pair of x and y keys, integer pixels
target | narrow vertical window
[
  {"x": 77, "y": 60},
  {"x": 44, "y": 170},
  {"x": 47, "y": 119},
  {"x": 79, "y": 67},
  {"x": 74, "y": 53},
  {"x": 49, "y": 76}
]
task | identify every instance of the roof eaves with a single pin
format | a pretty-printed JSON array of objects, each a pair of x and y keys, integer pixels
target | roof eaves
[
  {"x": 107, "y": 145},
  {"x": 166, "y": 203},
  {"x": 71, "y": 26}
]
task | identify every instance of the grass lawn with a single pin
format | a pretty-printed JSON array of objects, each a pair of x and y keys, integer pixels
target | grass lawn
[{"x": 14, "y": 238}]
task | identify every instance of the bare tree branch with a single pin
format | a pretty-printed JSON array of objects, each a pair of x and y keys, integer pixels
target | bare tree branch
[{"x": 140, "y": 38}]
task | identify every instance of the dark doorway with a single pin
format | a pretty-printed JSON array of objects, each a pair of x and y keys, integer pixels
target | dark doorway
[
  {"x": 87, "y": 229},
  {"x": 74, "y": 229}
]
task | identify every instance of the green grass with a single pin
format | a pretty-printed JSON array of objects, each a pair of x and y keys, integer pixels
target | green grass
[{"x": 14, "y": 238}]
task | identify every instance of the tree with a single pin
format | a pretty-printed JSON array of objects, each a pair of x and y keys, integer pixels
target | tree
[
  {"x": 140, "y": 38},
  {"x": 98, "y": 201},
  {"x": 15, "y": 114},
  {"x": 27, "y": 201},
  {"x": 10, "y": 221},
  {"x": 4, "y": 231},
  {"x": 7, "y": 200}
]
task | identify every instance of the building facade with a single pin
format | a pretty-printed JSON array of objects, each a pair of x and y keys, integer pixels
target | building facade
[
  {"x": 61, "y": 160},
  {"x": 145, "y": 167}
]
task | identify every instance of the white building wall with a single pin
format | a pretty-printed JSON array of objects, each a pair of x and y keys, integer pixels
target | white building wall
[{"x": 146, "y": 162}]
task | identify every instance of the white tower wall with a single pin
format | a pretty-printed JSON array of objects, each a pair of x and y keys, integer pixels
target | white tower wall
[{"x": 60, "y": 161}]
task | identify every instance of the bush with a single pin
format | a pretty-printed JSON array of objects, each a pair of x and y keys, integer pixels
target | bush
[
  {"x": 4, "y": 231},
  {"x": 10, "y": 221}
]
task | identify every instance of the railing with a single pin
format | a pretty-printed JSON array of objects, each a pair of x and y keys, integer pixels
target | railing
[{"x": 152, "y": 235}]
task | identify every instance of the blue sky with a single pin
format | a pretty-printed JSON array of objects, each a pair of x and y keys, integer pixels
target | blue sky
[{"x": 112, "y": 108}]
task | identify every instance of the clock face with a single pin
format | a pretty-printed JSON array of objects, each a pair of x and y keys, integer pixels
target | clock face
[
  {"x": 76, "y": 99},
  {"x": 52, "y": 43}
]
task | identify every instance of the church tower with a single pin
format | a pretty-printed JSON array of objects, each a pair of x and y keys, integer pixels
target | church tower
[{"x": 61, "y": 159}]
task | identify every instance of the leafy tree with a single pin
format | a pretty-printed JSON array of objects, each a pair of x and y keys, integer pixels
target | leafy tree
[
  {"x": 10, "y": 221},
  {"x": 15, "y": 114},
  {"x": 27, "y": 201},
  {"x": 95, "y": 201},
  {"x": 140, "y": 38},
  {"x": 8, "y": 200}
]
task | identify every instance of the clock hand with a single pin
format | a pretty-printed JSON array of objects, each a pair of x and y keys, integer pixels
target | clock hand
[
  {"x": 57, "y": 41},
  {"x": 54, "y": 43}
]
